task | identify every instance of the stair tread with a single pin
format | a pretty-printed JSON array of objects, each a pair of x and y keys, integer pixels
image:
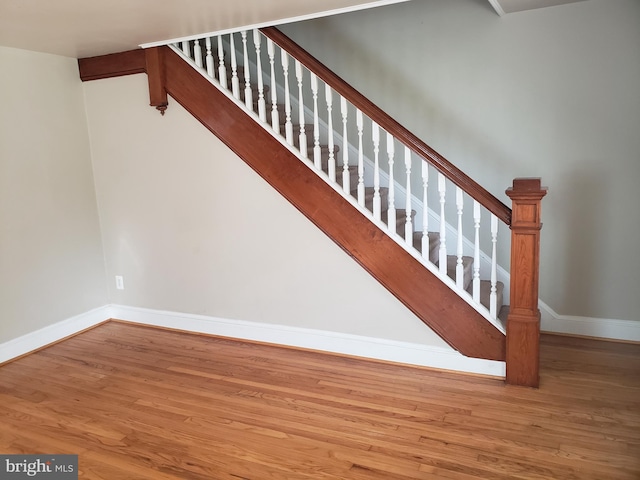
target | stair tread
[
  {"x": 467, "y": 264},
  {"x": 368, "y": 196},
  {"x": 485, "y": 294},
  {"x": 308, "y": 127},
  {"x": 401, "y": 216},
  {"x": 324, "y": 154},
  {"x": 434, "y": 244}
]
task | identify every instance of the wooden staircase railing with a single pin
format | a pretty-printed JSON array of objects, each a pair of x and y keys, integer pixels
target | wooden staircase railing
[{"x": 424, "y": 294}]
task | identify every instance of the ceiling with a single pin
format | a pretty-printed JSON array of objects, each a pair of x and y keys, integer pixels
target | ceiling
[{"x": 84, "y": 28}]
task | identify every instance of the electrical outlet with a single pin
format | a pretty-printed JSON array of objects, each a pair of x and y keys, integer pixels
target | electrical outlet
[{"x": 119, "y": 282}]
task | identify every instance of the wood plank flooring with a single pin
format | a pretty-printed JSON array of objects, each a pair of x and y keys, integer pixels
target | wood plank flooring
[{"x": 137, "y": 402}]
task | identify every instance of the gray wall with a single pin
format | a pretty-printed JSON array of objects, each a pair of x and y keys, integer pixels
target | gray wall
[
  {"x": 552, "y": 92},
  {"x": 51, "y": 263}
]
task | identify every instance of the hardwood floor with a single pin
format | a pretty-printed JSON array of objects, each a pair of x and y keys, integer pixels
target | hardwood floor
[{"x": 143, "y": 403}]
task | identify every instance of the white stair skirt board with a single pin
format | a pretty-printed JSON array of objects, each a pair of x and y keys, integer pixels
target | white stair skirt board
[
  {"x": 552, "y": 322},
  {"x": 342, "y": 343},
  {"x": 53, "y": 333}
]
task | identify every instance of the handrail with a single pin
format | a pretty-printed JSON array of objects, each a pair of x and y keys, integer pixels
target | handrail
[{"x": 444, "y": 166}]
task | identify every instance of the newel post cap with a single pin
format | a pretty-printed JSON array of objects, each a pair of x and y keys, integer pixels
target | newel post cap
[{"x": 526, "y": 187}]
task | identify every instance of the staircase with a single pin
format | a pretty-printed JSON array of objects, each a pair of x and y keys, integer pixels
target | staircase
[{"x": 348, "y": 167}]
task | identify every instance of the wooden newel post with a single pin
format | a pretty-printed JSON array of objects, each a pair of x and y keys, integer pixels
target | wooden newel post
[
  {"x": 155, "y": 73},
  {"x": 523, "y": 322}
]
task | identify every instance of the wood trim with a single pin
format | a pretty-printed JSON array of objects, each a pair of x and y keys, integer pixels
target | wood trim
[
  {"x": 444, "y": 166},
  {"x": 156, "y": 75},
  {"x": 421, "y": 291},
  {"x": 113, "y": 65},
  {"x": 523, "y": 322}
]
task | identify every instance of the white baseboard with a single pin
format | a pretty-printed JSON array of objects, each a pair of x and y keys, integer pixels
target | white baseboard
[
  {"x": 342, "y": 343},
  {"x": 552, "y": 322},
  {"x": 52, "y": 333}
]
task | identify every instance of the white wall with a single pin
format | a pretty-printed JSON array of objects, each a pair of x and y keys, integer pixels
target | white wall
[
  {"x": 51, "y": 263},
  {"x": 552, "y": 92},
  {"x": 194, "y": 230}
]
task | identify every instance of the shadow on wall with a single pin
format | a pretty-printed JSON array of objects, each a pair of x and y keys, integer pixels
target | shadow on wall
[
  {"x": 452, "y": 135},
  {"x": 581, "y": 212}
]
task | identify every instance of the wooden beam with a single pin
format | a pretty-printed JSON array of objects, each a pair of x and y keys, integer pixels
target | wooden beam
[{"x": 113, "y": 65}]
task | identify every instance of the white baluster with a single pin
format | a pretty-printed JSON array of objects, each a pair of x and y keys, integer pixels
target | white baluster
[
  {"x": 222, "y": 69},
  {"x": 476, "y": 252},
  {"x": 185, "y": 49},
  {"x": 262, "y": 104},
  {"x": 275, "y": 116},
  {"x": 328, "y": 93},
  {"x": 303, "y": 135},
  {"x": 209, "y": 58},
  {"x": 442, "y": 257},
  {"x": 317, "y": 151},
  {"x": 197, "y": 53},
  {"x": 408, "y": 224},
  {"x": 235, "y": 81},
  {"x": 248, "y": 93},
  {"x": 459, "y": 263},
  {"x": 391, "y": 200},
  {"x": 288, "y": 125},
  {"x": 425, "y": 210},
  {"x": 361, "y": 191},
  {"x": 493, "y": 298},
  {"x": 346, "y": 177},
  {"x": 375, "y": 133}
]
